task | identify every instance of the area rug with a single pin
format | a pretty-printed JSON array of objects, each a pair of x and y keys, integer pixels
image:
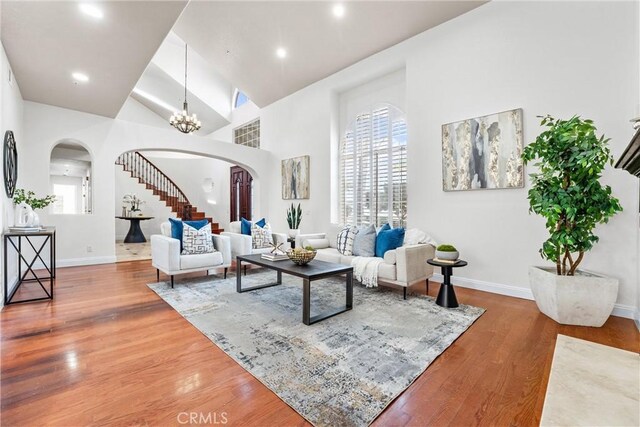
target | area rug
[
  {"x": 343, "y": 371},
  {"x": 592, "y": 385}
]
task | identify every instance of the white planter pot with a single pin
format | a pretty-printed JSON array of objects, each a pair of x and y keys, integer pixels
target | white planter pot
[
  {"x": 585, "y": 299},
  {"x": 450, "y": 256},
  {"x": 293, "y": 232}
]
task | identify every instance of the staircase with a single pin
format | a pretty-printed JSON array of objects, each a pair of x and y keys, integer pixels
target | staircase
[{"x": 162, "y": 186}]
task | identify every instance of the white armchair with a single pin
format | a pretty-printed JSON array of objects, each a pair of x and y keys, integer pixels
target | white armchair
[
  {"x": 241, "y": 244},
  {"x": 166, "y": 256}
]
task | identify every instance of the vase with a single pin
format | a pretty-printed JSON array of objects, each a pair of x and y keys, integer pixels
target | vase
[
  {"x": 449, "y": 256},
  {"x": 293, "y": 232},
  {"x": 586, "y": 299},
  {"x": 35, "y": 220}
]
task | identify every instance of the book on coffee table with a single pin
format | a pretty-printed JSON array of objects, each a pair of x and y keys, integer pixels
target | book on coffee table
[{"x": 275, "y": 257}]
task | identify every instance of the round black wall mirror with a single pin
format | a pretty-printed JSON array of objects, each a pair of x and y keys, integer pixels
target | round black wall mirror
[{"x": 10, "y": 163}]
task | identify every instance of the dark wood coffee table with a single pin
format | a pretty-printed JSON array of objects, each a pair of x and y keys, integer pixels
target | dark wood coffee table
[{"x": 315, "y": 270}]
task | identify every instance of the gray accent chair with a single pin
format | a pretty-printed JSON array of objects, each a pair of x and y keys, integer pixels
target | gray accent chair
[{"x": 403, "y": 266}]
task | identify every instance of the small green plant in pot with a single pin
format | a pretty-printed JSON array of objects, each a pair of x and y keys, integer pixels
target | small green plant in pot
[
  {"x": 566, "y": 191},
  {"x": 294, "y": 217},
  {"x": 447, "y": 252}
]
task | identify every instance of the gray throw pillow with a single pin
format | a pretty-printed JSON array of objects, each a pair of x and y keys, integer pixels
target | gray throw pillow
[{"x": 364, "y": 243}]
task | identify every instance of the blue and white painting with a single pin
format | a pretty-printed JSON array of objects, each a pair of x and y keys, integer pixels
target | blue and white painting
[
  {"x": 295, "y": 178},
  {"x": 483, "y": 152}
]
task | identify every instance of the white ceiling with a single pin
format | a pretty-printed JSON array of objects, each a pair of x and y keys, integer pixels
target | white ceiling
[
  {"x": 160, "y": 85},
  {"x": 48, "y": 40},
  {"x": 239, "y": 38}
]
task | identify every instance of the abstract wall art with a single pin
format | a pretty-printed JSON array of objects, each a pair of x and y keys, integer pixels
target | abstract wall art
[
  {"x": 483, "y": 152},
  {"x": 295, "y": 178}
]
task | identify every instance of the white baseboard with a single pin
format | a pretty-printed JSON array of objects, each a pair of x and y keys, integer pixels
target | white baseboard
[
  {"x": 74, "y": 262},
  {"x": 620, "y": 310}
]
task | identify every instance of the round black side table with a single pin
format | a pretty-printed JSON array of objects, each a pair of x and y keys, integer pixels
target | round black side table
[
  {"x": 135, "y": 232},
  {"x": 447, "y": 295}
]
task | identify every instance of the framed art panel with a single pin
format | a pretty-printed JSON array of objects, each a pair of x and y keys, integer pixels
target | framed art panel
[
  {"x": 295, "y": 178},
  {"x": 483, "y": 152}
]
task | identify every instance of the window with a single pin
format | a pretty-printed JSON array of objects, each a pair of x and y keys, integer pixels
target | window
[
  {"x": 373, "y": 168},
  {"x": 248, "y": 134},
  {"x": 239, "y": 99}
]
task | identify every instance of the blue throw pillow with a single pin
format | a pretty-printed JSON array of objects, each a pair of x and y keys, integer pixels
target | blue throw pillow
[
  {"x": 177, "y": 227},
  {"x": 245, "y": 225},
  {"x": 388, "y": 239}
]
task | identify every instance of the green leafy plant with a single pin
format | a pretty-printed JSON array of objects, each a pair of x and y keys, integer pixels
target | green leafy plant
[
  {"x": 566, "y": 190},
  {"x": 29, "y": 198},
  {"x": 294, "y": 216},
  {"x": 309, "y": 248},
  {"x": 446, "y": 248}
]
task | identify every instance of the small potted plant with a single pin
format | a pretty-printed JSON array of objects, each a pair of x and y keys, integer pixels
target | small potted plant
[
  {"x": 135, "y": 202},
  {"x": 566, "y": 191},
  {"x": 447, "y": 252},
  {"x": 26, "y": 204},
  {"x": 294, "y": 217}
]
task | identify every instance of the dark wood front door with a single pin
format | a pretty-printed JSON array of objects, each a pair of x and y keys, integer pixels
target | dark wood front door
[{"x": 241, "y": 187}]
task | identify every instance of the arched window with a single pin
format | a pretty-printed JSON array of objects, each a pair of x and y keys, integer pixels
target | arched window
[
  {"x": 373, "y": 168},
  {"x": 239, "y": 98}
]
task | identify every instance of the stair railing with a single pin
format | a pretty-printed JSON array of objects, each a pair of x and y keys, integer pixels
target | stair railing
[{"x": 147, "y": 173}]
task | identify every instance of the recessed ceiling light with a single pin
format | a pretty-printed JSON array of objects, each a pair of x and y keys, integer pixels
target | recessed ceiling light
[
  {"x": 338, "y": 11},
  {"x": 92, "y": 10},
  {"x": 80, "y": 77},
  {"x": 281, "y": 52}
]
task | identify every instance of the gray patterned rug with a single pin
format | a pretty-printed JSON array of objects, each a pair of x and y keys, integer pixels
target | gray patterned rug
[{"x": 343, "y": 371}]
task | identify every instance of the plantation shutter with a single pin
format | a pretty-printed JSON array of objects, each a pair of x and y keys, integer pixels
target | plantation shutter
[{"x": 373, "y": 169}]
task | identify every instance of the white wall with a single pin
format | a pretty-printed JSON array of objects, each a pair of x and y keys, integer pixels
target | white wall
[
  {"x": 105, "y": 139},
  {"x": 561, "y": 58},
  {"x": 10, "y": 119}
]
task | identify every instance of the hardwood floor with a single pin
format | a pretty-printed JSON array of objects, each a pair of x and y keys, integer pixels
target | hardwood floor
[{"x": 108, "y": 350}]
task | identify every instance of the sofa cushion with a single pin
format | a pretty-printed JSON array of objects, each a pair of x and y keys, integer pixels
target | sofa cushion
[
  {"x": 328, "y": 255},
  {"x": 245, "y": 225},
  {"x": 345, "y": 240},
  {"x": 261, "y": 236},
  {"x": 346, "y": 259},
  {"x": 188, "y": 262},
  {"x": 316, "y": 243},
  {"x": 387, "y": 271},
  {"x": 176, "y": 227},
  {"x": 196, "y": 240},
  {"x": 364, "y": 242},
  {"x": 388, "y": 239},
  {"x": 332, "y": 234},
  {"x": 390, "y": 257}
]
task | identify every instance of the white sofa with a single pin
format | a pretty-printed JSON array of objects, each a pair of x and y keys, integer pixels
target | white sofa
[
  {"x": 241, "y": 244},
  {"x": 166, "y": 256},
  {"x": 403, "y": 266}
]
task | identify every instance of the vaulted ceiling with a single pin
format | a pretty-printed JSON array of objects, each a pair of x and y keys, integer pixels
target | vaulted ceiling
[
  {"x": 233, "y": 44},
  {"x": 47, "y": 41}
]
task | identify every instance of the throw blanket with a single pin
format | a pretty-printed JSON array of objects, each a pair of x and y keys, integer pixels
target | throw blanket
[{"x": 365, "y": 270}]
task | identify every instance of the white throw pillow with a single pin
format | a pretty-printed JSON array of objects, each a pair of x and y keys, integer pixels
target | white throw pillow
[
  {"x": 345, "y": 240},
  {"x": 261, "y": 237},
  {"x": 196, "y": 241}
]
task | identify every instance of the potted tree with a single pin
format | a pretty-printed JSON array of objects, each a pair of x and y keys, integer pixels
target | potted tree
[{"x": 567, "y": 192}]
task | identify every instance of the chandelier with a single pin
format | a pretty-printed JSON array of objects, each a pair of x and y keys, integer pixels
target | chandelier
[{"x": 181, "y": 120}]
